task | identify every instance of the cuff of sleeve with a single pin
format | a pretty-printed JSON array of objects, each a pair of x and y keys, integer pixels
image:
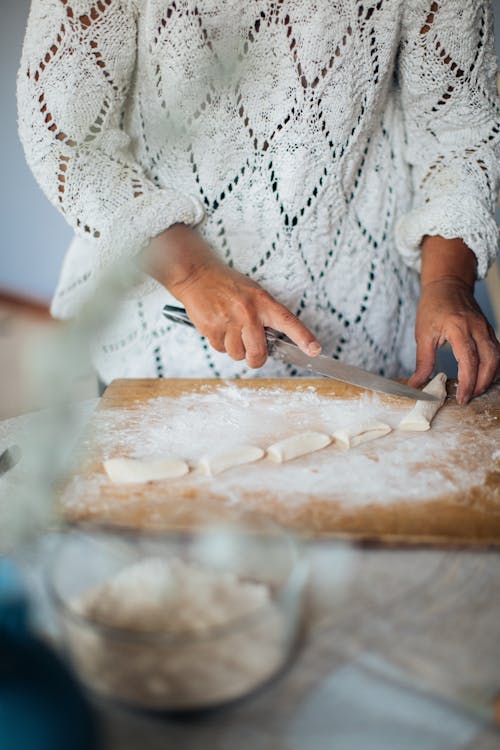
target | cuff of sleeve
[
  {"x": 462, "y": 217},
  {"x": 139, "y": 220}
]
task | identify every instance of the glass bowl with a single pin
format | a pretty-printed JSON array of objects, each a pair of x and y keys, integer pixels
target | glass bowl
[{"x": 178, "y": 621}]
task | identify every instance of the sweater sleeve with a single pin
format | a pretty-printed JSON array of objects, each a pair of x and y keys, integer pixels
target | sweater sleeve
[
  {"x": 77, "y": 65},
  {"x": 447, "y": 80}
]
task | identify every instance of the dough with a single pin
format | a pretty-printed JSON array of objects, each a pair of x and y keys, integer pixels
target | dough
[
  {"x": 132, "y": 470},
  {"x": 218, "y": 462},
  {"x": 422, "y": 414},
  {"x": 297, "y": 445},
  {"x": 360, "y": 433}
]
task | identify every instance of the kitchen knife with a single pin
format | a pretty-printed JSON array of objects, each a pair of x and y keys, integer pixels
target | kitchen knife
[{"x": 281, "y": 347}]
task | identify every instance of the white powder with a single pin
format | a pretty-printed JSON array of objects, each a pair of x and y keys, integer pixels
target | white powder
[
  {"x": 399, "y": 467},
  {"x": 213, "y": 636}
]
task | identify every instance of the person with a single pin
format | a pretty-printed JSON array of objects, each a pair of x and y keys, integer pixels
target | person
[{"x": 328, "y": 169}]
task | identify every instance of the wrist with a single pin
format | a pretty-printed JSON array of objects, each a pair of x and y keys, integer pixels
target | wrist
[
  {"x": 447, "y": 260},
  {"x": 449, "y": 281},
  {"x": 176, "y": 257}
]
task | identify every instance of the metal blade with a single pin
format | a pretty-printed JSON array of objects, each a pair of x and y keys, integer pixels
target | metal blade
[{"x": 332, "y": 368}]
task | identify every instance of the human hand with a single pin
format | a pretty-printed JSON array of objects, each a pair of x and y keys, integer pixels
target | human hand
[
  {"x": 226, "y": 306},
  {"x": 448, "y": 311}
]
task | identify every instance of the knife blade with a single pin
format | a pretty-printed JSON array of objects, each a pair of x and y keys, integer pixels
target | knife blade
[
  {"x": 332, "y": 368},
  {"x": 282, "y": 348}
]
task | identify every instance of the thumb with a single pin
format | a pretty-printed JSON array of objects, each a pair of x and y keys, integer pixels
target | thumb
[{"x": 426, "y": 358}]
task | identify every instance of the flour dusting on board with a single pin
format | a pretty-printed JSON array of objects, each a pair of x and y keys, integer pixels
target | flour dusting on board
[{"x": 398, "y": 467}]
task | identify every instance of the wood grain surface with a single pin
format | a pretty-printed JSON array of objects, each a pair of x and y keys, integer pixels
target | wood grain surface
[{"x": 466, "y": 517}]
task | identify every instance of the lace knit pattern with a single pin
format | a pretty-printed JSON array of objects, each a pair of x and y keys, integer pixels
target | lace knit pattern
[{"x": 313, "y": 144}]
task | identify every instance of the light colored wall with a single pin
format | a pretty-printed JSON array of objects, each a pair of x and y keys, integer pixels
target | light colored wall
[{"x": 33, "y": 235}]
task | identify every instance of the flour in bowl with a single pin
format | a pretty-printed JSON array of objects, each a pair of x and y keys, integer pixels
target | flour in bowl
[{"x": 176, "y": 635}]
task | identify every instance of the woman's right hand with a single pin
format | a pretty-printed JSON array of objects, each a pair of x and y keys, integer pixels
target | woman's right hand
[{"x": 226, "y": 306}]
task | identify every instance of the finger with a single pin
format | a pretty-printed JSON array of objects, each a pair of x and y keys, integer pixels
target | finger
[
  {"x": 279, "y": 317},
  {"x": 206, "y": 328},
  {"x": 489, "y": 358},
  {"x": 464, "y": 349},
  {"x": 425, "y": 361},
  {"x": 216, "y": 339},
  {"x": 496, "y": 343},
  {"x": 254, "y": 339},
  {"x": 234, "y": 345}
]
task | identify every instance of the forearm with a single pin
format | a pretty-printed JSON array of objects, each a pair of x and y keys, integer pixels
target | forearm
[{"x": 444, "y": 259}]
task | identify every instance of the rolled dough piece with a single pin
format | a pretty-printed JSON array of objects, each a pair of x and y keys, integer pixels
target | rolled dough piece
[
  {"x": 132, "y": 470},
  {"x": 219, "y": 462},
  {"x": 360, "y": 433},
  {"x": 297, "y": 445},
  {"x": 422, "y": 414}
]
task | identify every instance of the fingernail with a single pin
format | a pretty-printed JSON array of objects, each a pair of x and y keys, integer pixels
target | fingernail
[{"x": 314, "y": 349}]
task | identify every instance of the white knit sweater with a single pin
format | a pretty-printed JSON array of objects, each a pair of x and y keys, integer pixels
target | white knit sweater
[{"x": 313, "y": 143}]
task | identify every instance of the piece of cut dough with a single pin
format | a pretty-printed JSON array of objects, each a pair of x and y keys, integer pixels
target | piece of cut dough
[
  {"x": 422, "y": 414},
  {"x": 363, "y": 432},
  {"x": 216, "y": 463},
  {"x": 132, "y": 470},
  {"x": 297, "y": 445}
]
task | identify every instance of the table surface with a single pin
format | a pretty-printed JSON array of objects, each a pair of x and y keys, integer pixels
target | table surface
[{"x": 401, "y": 651}]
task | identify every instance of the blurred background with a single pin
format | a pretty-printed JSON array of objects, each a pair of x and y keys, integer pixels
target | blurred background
[{"x": 34, "y": 237}]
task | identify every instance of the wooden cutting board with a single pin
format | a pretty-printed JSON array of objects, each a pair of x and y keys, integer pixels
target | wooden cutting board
[{"x": 439, "y": 487}]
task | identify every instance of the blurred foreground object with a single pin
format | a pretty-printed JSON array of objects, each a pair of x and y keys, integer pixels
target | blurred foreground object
[
  {"x": 179, "y": 622},
  {"x": 41, "y": 706}
]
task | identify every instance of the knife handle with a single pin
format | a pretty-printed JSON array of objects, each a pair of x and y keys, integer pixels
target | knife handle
[{"x": 179, "y": 315}]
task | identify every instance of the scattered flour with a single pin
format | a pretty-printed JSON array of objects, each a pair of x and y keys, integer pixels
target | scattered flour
[
  {"x": 191, "y": 637},
  {"x": 398, "y": 467}
]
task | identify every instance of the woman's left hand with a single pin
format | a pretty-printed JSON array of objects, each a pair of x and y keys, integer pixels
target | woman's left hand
[{"x": 448, "y": 311}]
